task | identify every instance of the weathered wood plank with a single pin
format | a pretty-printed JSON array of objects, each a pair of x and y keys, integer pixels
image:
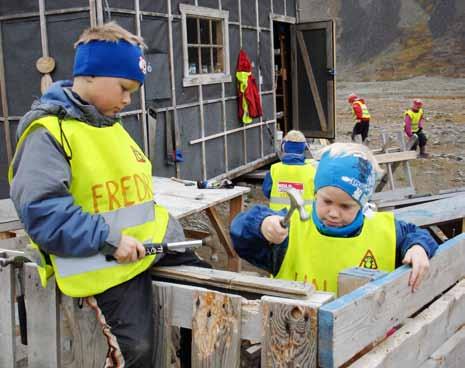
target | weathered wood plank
[
  {"x": 395, "y": 194},
  {"x": 88, "y": 345},
  {"x": 236, "y": 281},
  {"x": 355, "y": 320},
  {"x": 352, "y": 278},
  {"x": 414, "y": 342},
  {"x": 451, "y": 354},
  {"x": 7, "y": 317},
  {"x": 216, "y": 323},
  {"x": 385, "y": 158},
  {"x": 448, "y": 209},
  {"x": 43, "y": 321},
  {"x": 162, "y": 308},
  {"x": 290, "y": 333}
]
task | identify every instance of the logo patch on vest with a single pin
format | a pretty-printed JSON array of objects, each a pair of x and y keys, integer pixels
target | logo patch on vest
[
  {"x": 284, "y": 185},
  {"x": 139, "y": 156},
  {"x": 369, "y": 261}
]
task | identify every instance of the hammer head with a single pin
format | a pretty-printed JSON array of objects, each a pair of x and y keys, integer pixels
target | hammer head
[{"x": 297, "y": 203}]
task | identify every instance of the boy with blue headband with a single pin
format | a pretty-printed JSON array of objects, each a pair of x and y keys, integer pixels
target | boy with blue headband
[
  {"x": 343, "y": 231},
  {"x": 292, "y": 172},
  {"x": 83, "y": 190}
]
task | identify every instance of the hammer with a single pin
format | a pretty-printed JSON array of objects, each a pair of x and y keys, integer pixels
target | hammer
[{"x": 297, "y": 203}]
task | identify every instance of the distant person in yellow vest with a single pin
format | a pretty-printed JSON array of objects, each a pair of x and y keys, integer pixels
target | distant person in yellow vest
[
  {"x": 413, "y": 126},
  {"x": 343, "y": 230},
  {"x": 361, "y": 117},
  {"x": 83, "y": 189},
  {"x": 293, "y": 171}
]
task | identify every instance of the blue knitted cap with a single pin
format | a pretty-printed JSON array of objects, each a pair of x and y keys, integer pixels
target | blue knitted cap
[
  {"x": 294, "y": 147},
  {"x": 352, "y": 173},
  {"x": 119, "y": 59}
]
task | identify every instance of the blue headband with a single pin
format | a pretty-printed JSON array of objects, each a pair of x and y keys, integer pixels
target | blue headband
[
  {"x": 352, "y": 173},
  {"x": 119, "y": 59},
  {"x": 293, "y": 147}
]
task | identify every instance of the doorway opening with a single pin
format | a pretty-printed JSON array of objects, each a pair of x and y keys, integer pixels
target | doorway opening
[{"x": 282, "y": 75}]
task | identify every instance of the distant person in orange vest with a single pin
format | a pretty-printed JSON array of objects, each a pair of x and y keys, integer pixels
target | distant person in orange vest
[
  {"x": 413, "y": 126},
  {"x": 361, "y": 116}
]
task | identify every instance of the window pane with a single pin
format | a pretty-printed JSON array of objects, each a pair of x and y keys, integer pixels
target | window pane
[
  {"x": 217, "y": 32},
  {"x": 206, "y": 60},
  {"x": 204, "y": 32},
  {"x": 191, "y": 30},
  {"x": 193, "y": 60},
  {"x": 218, "y": 63}
]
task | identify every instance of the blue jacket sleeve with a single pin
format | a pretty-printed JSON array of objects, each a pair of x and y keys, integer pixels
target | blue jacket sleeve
[
  {"x": 267, "y": 185},
  {"x": 407, "y": 235},
  {"x": 249, "y": 242}
]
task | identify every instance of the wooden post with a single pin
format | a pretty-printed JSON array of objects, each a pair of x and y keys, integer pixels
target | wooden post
[
  {"x": 163, "y": 310},
  {"x": 352, "y": 278},
  {"x": 7, "y": 317},
  {"x": 234, "y": 262},
  {"x": 236, "y": 205},
  {"x": 216, "y": 323},
  {"x": 43, "y": 332},
  {"x": 290, "y": 333}
]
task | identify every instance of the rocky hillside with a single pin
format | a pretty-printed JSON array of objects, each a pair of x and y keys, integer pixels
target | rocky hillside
[{"x": 395, "y": 39}]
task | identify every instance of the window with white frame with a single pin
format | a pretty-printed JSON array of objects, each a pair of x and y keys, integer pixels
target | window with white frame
[{"x": 205, "y": 45}]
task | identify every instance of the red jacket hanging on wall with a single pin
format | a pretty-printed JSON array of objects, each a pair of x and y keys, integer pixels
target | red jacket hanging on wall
[{"x": 248, "y": 104}]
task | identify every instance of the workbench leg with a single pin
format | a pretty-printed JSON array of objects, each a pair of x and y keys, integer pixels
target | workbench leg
[
  {"x": 236, "y": 205},
  {"x": 234, "y": 262}
]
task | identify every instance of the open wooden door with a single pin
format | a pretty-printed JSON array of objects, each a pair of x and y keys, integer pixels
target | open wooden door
[{"x": 313, "y": 86}]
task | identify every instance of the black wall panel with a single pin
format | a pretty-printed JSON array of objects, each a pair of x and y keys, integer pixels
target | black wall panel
[
  {"x": 215, "y": 157},
  {"x": 234, "y": 44},
  {"x": 233, "y": 7},
  {"x": 290, "y": 8},
  {"x": 232, "y": 120},
  {"x": 278, "y": 7},
  {"x": 159, "y": 6},
  {"x": 249, "y": 13},
  {"x": 235, "y": 150},
  {"x": 264, "y": 10},
  {"x": 175, "y": 5},
  {"x": 265, "y": 61},
  {"x": 213, "y": 118},
  {"x": 253, "y": 144},
  {"x": 189, "y": 127}
]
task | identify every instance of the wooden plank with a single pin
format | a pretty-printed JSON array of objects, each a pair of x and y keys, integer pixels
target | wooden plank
[
  {"x": 88, "y": 347},
  {"x": 234, "y": 262},
  {"x": 7, "y": 320},
  {"x": 180, "y": 199},
  {"x": 43, "y": 320},
  {"x": 290, "y": 333},
  {"x": 163, "y": 310},
  {"x": 216, "y": 322},
  {"x": 352, "y": 278},
  {"x": 395, "y": 194},
  {"x": 438, "y": 233},
  {"x": 448, "y": 209},
  {"x": 415, "y": 200},
  {"x": 353, "y": 321},
  {"x": 311, "y": 80},
  {"x": 236, "y": 281},
  {"x": 451, "y": 354},
  {"x": 385, "y": 158},
  {"x": 236, "y": 206},
  {"x": 414, "y": 342},
  {"x": 251, "y": 316}
]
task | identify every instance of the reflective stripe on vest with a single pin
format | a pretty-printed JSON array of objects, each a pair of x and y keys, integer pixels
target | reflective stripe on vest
[
  {"x": 121, "y": 193},
  {"x": 300, "y": 177},
  {"x": 365, "y": 112},
  {"x": 316, "y": 258},
  {"x": 415, "y": 118}
]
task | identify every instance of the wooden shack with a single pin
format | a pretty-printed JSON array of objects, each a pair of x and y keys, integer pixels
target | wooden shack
[{"x": 188, "y": 102}]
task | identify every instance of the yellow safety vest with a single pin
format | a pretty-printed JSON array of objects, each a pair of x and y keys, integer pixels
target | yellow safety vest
[
  {"x": 316, "y": 258},
  {"x": 111, "y": 177},
  {"x": 365, "y": 112},
  {"x": 415, "y": 118},
  {"x": 242, "y": 78},
  {"x": 299, "y": 177}
]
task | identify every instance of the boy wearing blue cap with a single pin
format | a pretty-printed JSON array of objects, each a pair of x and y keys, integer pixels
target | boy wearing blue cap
[
  {"x": 292, "y": 172},
  {"x": 83, "y": 190},
  {"x": 343, "y": 231}
]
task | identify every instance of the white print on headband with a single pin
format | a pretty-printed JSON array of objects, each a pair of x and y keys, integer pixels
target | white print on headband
[{"x": 142, "y": 65}]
